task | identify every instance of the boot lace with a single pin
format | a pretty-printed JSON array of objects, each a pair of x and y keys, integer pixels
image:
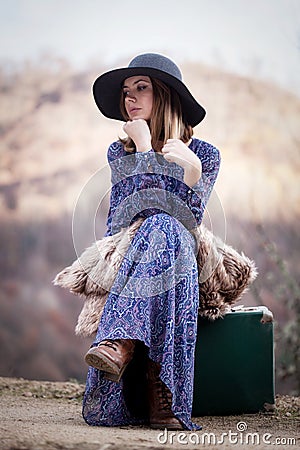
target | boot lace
[
  {"x": 164, "y": 396},
  {"x": 111, "y": 343}
]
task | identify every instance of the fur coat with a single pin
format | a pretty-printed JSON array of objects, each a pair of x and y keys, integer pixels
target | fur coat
[{"x": 224, "y": 275}]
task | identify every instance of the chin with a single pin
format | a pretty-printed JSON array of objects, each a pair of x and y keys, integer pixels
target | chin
[{"x": 137, "y": 117}]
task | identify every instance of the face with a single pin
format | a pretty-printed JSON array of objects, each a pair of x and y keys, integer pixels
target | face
[{"x": 138, "y": 97}]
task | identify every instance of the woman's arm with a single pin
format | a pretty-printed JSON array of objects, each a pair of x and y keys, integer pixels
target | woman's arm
[
  {"x": 178, "y": 152},
  {"x": 197, "y": 195},
  {"x": 139, "y": 132},
  {"x": 134, "y": 184}
]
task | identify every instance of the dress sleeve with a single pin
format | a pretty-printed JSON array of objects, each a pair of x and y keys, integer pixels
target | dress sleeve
[
  {"x": 115, "y": 156},
  {"x": 197, "y": 196},
  {"x": 110, "y": 214},
  {"x": 145, "y": 183},
  {"x": 129, "y": 176}
]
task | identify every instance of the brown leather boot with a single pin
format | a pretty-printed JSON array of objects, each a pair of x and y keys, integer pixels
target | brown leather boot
[
  {"x": 111, "y": 356},
  {"x": 160, "y": 401}
]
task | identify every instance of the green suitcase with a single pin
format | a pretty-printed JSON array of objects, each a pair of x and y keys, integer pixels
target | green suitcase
[{"x": 234, "y": 363}]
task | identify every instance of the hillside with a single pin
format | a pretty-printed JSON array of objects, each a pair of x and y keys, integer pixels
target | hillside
[{"x": 53, "y": 158}]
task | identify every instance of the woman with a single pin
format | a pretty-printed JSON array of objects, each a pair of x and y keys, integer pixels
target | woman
[{"x": 147, "y": 333}]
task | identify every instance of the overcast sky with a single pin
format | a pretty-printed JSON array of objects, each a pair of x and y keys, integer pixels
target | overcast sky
[{"x": 251, "y": 37}]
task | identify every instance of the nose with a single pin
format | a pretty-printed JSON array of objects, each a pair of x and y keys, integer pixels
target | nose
[{"x": 130, "y": 97}]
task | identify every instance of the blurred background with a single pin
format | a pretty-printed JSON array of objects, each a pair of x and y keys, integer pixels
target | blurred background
[{"x": 240, "y": 59}]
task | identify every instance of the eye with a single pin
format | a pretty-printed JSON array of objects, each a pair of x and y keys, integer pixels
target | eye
[
  {"x": 125, "y": 93},
  {"x": 141, "y": 87}
]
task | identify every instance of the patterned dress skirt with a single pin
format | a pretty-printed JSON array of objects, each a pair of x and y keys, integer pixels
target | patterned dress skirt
[{"x": 154, "y": 300}]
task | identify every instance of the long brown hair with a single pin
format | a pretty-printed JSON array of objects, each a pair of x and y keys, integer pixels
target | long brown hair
[{"x": 166, "y": 120}]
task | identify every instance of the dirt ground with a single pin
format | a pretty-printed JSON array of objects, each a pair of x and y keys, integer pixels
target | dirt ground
[{"x": 38, "y": 415}]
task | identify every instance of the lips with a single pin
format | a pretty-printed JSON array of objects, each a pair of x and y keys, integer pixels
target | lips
[{"x": 132, "y": 110}]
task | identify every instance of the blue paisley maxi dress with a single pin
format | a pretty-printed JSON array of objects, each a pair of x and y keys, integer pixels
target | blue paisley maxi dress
[{"x": 155, "y": 296}]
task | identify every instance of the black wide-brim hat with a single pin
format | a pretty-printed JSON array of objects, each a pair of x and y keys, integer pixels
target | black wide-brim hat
[{"x": 107, "y": 87}]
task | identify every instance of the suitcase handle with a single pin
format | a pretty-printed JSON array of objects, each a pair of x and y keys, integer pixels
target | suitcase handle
[{"x": 267, "y": 315}]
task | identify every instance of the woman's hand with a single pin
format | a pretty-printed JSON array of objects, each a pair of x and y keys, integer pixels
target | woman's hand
[
  {"x": 178, "y": 152},
  {"x": 139, "y": 132}
]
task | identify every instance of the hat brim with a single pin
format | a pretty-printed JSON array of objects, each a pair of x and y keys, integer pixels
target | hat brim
[{"x": 107, "y": 91}]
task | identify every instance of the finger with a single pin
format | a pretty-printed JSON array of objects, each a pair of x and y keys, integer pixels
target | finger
[
  {"x": 168, "y": 146},
  {"x": 169, "y": 156}
]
